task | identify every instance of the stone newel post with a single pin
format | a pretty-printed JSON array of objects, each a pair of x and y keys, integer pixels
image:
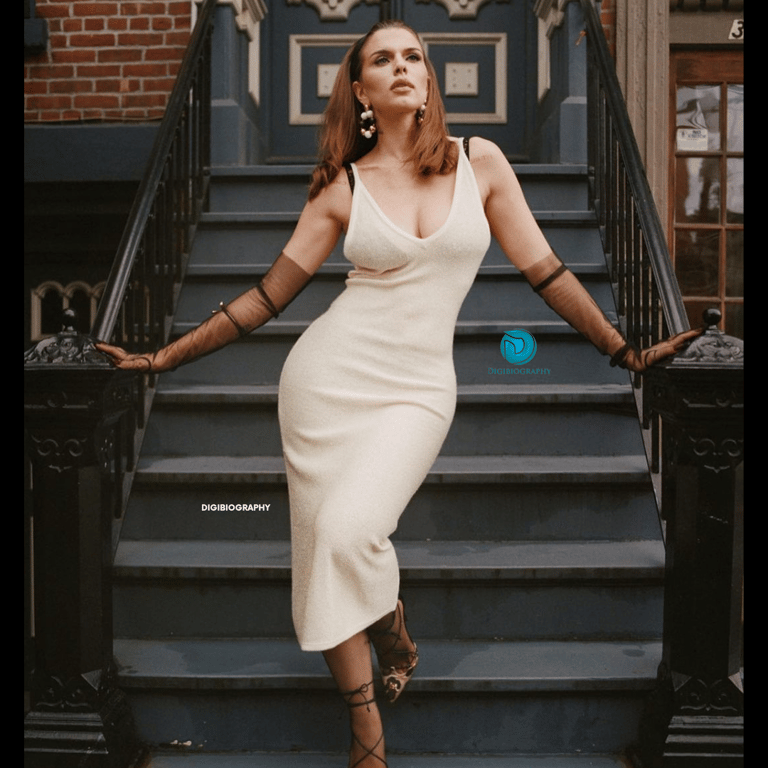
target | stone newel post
[
  {"x": 695, "y": 716},
  {"x": 73, "y": 404}
]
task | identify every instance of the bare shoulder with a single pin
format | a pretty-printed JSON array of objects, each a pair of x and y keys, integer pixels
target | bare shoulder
[
  {"x": 492, "y": 169},
  {"x": 483, "y": 150},
  {"x": 320, "y": 224},
  {"x": 335, "y": 199},
  {"x": 487, "y": 157},
  {"x": 510, "y": 218}
]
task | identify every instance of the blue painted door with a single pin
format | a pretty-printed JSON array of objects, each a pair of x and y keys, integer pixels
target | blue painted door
[{"x": 484, "y": 52}]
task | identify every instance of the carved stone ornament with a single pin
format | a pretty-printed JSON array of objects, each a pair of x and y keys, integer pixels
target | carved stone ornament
[
  {"x": 461, "y": 9},
  {"x": 713, "y": 346},
  {"x": 85, "y": 718},
  {"x": 66, "y": 347},
  {"x": 551, "y": 12},
  {"x": 332, "y": 10},
  {"x": 60, "y": 453},
  {"x": 708, "y": 697},
  {"x": 79, "y": 693}
]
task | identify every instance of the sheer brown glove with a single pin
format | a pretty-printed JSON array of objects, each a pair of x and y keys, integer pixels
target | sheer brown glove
[
  {"x": 638, "y": 360},
  {"x": 558, "y": 286},
  {"x": 282, "y": 283}
]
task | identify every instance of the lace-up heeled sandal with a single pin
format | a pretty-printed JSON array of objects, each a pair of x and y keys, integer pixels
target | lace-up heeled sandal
[
  {"x": 396, "y": 663},
  {"x": 350, "y": 697}
]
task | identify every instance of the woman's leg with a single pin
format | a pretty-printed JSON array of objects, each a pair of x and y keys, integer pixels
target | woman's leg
[
  {"x": 398, "y": 655},
  {"x": 350, "y": 665}
]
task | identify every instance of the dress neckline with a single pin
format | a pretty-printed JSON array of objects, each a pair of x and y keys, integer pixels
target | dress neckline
[{"x": 359, "y": 184}]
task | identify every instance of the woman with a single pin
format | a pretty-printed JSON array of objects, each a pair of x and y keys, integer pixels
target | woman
[{"x": 368, "y": 392}]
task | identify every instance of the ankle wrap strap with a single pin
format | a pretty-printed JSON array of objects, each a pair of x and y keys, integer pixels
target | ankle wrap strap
[{"x": 361, "y": 691}]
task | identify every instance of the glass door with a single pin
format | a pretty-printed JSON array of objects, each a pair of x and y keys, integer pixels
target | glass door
[{"x": 707, "y": 173}]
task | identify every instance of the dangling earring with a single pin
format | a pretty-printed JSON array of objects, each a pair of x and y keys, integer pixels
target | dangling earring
[
  {"x": 420, "y": 113},
  {"x": 366, "y": 116}
]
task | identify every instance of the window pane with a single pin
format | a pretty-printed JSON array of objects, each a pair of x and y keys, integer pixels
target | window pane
[
  {"x": 696, "y": 261},
  {"x": 734, "y": 201},
  {"x": 734, "y": 320},
  {"x": 734, "y": 263},
  {"x": 698, "y": 189},
  {"x": 698, "y": 109},
  {"x": 735, "y": 118}
]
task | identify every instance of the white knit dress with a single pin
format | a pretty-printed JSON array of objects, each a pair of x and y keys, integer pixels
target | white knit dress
[{"x": 367, "y": 396}]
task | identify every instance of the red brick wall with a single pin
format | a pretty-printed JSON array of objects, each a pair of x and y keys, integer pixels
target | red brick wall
[
  {"x": 114, "y": 61},
  {"x": 608, "y": 18}
]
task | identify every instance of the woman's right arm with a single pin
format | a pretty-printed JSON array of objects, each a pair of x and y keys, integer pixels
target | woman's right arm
[
  {"x": 316, "y": 234},
  {"x": 524, "y": 244}
]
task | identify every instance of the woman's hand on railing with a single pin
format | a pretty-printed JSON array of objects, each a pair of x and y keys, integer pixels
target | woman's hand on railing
[
  {"x": 638, "y": 361},
  {"x": 126, "y": 361},
  {"x": 284, "y": 280}
]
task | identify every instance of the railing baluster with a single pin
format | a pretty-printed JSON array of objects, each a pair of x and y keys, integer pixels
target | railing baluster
[
  {"x": 617, "y": 245},
  {"x": 138, "y": 300},
  {"x": 183, "y": 137},
  {"x": 645, "y": 290},
  {"x": 648, "y": 299},
  {"x": 637, "y": 265}
]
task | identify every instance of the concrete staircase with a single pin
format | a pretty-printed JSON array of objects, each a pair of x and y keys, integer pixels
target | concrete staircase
[{"x": 531, "y": 558}]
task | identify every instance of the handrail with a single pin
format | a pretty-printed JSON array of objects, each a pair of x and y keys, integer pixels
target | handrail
[
  {"x": 84, "y": 422},
  {"x": 139, "y": 295},
  {"x": 626, "y": 208},
  {"x": 648, "y": 298},
  {"x": 692, "y": 417}
]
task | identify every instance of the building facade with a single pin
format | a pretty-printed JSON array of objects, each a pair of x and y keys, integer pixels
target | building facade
[
  {"x": 681, "y": 66},
  {"x": 544, "y": 485},
  {"x": 98, "y": 74}
]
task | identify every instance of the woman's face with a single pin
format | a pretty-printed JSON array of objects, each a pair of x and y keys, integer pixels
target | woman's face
[{"x": 393, "y": 74}]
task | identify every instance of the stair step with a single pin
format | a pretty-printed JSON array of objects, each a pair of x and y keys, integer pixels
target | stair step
[
  {"x": 338, "y": 270},
  {"x": 471, "y": 697},
  {"x": 563, "y": 355},
  {"x": 315, "y": 760},
  {"x": 575, "y": 240},
  {"x": 489, "y": 327},
  {"x": 259, "y": 188},
  {"x": 566, "y": 218},
  {"x": 520, "y": 470},
  {"x": 445, "y": 511},
  {"x": 510, "y": 394},
  {"x": 487, "y": 422},
  {"x": 419, "y": 561},
  {"x": 456, "y": 510},
  {"x": 303, "y": 171},
  {"x": 499, "y": 287},
  {"x": 467, "y": 698},
  {"x": 478, "y": 666},
  {"x": 516, "y": 590}
]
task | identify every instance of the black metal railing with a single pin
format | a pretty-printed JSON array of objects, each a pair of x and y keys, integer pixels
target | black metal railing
[
  {"x": 140, "y": 296},
  {"x": 648, "y": 299},
  {"x": 692, "y": 414},
  {"x": 84, "y": 422},
  {"x": 138, "y": 303}
]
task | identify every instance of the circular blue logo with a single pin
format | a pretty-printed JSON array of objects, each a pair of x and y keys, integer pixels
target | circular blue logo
[{"x": 518, "y": 347}]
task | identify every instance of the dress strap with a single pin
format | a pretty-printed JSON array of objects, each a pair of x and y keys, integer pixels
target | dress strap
[{"x": 350, "y": 176}]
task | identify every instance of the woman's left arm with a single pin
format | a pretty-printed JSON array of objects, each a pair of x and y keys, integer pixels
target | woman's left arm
[
  {"x": 515, "y": 228},
  {"x": 510, "y": 218}
]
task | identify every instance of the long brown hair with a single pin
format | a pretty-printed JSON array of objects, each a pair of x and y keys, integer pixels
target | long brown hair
[{"x": 340, "y": 138}]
